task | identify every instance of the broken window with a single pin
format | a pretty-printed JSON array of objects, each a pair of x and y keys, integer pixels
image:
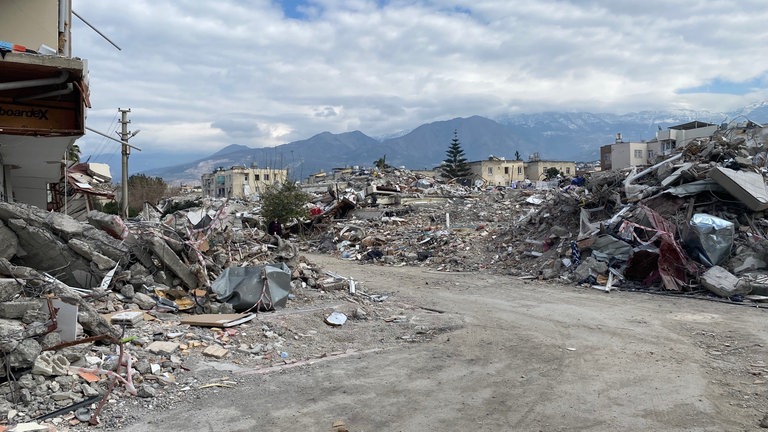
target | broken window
[
  {"x": 650, "y": 154},
  {"x": 256, "y": 177},
  {"x": 506, "y": 170},
  {"x": 246, "y": 177},
  {"x": 266, "y": 177},
  {"x": 567, "y": 170},
  {"x": 638, "y": 154},
  {"x": 490, "y": 170}
]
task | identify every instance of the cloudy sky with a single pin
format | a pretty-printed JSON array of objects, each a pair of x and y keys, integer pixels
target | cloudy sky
[{"x": 200, "y": 75}]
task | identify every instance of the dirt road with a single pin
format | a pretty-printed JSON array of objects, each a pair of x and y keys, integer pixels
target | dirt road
[{"x": 521, "y": 356}]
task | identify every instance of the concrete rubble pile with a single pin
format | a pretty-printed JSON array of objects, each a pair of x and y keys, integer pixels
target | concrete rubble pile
[
  {"x": 94, "y": 312},
  {"x": 692, "y": 223}
]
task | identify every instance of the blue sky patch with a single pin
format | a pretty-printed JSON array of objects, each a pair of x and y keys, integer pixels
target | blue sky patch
[
  {"x": 721, "y": 86},
  {"x": 295, "y": 9}
]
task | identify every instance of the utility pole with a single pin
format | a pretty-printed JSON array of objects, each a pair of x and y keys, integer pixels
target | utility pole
[{"x": 124, "y": 136}]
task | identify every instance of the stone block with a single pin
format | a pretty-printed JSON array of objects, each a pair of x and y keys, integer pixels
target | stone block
[
  {"x": 721, "y": 282},
  {"x": 10, "y": 288},
  {"x": 25, "y": 353},
  {"x": 163, "y": 347},
  {"x": 9, "y": 243},
  {"x": 17, "y": 309}
]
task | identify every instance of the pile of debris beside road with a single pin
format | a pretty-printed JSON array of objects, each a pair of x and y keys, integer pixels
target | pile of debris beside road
[
  {"x": 694, "y": 222},
  {"x": 93, "y": 311}
]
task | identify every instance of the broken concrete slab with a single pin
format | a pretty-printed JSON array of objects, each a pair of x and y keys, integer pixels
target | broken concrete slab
[
  {"x": 109, "y": 223},
  {"x": 9, "y": 243},
  {"x": 10, "y": 288},
  {"x": 721, "y": 282},
  {"x": 163, "y": 347},
  {"x": 85, "y": 250},
  {"x": 748, "y": 187},
  {"x": 17, "y": 309},
  {"x": 215, "y": 351},
  {"x": 169, "y": 258}
]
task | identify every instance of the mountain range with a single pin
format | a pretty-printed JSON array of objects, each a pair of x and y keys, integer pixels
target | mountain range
[{"x": 575, "y": 136}]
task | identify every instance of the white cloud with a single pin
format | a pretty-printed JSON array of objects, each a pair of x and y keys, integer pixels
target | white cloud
[{"x": 204, "y": 75}]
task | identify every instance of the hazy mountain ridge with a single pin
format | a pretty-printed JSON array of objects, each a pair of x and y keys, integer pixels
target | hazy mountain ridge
[{"x": 553, "y": 135}]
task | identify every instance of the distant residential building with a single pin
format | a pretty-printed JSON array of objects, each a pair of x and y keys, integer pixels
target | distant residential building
[
  {"x": 680, "y": 135},
  {"x": 623, "y": 154},
  {"x": 536, "y": 168},
  {"x": 240, "y": 182},
  {"x": 496, "y": 171}
]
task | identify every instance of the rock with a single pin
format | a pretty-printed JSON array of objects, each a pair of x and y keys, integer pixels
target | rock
[
  {"x": 44, "y": 250},
  {"x": 85, "y": 250},
  {"x": 25, "y": 353},
  {"x": 146, "y": 391},
  {"x": 10, "y": 288},
  {"x": 60, "y": 396},
  {"x": 169, "y": 258},
  {"x": 9, "y": 243},
  {"x": 128, "y": 291},
  {"x": 162, "y": 347},
  {"x": 144, "y": 301},
  {"x": 215, "y": 351},
  {"x": 590, "y": 266},
  {"x": 111, "y": 224},
  {"x": 17, "y": 309},
  {"x": 88, "y": 391},
  {"x": 747, "y": 262},
  {"x": 721, "y": 282}
]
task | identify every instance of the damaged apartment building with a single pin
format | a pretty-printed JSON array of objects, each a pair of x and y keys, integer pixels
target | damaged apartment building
[
  {"x": 239, "y": 182},
  {"x": 43, "y": 98}
]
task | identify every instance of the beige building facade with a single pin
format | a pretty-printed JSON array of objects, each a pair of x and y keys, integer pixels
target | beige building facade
[
  {"x": 537, "y": 169},
  {"x": 496, "y": 171},
  {"x": 239, "y": 182}
]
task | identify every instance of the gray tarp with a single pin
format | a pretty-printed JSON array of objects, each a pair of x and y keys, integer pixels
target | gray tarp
[{"x": 260, "y": 288}]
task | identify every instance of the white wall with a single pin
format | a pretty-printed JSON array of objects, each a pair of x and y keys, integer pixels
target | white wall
[{"x": 30, "y": 22}]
